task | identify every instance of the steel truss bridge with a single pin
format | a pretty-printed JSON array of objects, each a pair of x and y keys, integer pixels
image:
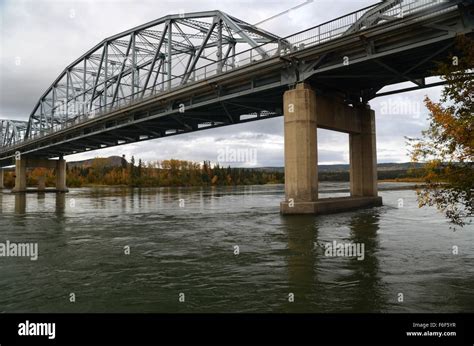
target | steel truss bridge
[{"x": 194, "y": 71}]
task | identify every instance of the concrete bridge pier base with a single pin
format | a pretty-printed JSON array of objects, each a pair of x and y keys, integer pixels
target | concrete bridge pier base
[
  {"x": 24, "y": 163},
  {"x": 304, "y": 111}
]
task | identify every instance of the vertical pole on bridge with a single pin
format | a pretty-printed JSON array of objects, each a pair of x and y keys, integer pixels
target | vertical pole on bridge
[
  {"x": 219, "y": 47},
  {"x": 106, "y": 72},
  {"x": 134, "y": 63},
  {"x": 169, "y": 51}
]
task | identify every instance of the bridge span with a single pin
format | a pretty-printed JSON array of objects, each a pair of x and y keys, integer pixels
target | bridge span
[{"x": 194, "y": 71}]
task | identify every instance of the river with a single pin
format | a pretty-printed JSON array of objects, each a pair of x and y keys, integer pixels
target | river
[{"x": 227, "y": 249}]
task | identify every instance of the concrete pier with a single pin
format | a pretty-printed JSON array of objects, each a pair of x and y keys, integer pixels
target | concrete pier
[
  {"x": 61, "y": 175},
  {"x": 301, "y": 155},
  {"x": 2, "y": 186},
  {"x": 363, "y": 155},
  {"x": 41, "y": 183},
  {"x": 23, "y": 163},
  {"x": 304, "y": 112},
  {"x": 20, "y": 176}
]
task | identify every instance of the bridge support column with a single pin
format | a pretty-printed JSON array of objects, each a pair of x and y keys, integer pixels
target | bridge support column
[
  {"x": 363, "y": 156},
  {"x": 1, "y": 179},
  {"x": 20, "y": 175},
  {"x": 41, "y": 183},
  {"x": 304, "y": 112},
  {"x": 301, "y": 155},
  {"x": 23, "y": 163},
  {"x": 61, "y": 175}
]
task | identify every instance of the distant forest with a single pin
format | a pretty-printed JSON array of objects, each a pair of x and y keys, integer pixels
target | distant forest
[
  {"x": 164, "y": 173},
  {"x": 118, "y": 171}
]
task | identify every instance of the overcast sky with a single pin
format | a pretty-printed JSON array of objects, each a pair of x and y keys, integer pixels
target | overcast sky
[{"x": 39, "y": 38}]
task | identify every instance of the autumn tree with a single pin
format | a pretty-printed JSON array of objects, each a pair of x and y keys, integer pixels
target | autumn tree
[
  {"x": 139, "y": 169},
  {"x": 98, "y": 170},
  {"x": 132, "y": 171},
  {"x": 447, "y": 146}
]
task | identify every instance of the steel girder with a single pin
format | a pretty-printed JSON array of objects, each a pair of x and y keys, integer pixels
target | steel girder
[
  {"x": 377, "y": 14},
  {"x": 138, "y": 63},
  {"x": 12, "y": 132},
  {"x": 443, "y": 19}
]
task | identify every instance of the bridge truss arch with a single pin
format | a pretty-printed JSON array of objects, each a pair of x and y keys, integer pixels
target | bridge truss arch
[
  {"x": 154, "y": 57},
  {"x": 12, "y": 132}
]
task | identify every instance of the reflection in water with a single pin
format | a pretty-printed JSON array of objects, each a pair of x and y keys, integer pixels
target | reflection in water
[
  {"x": 357, "y": 279},
  {"x": 41, "y": 197},
  {"x": 302, "y": 234},
  {"x": 60, "y": 204},
  {"x": 20, "y": 203},
  {"x": 123, "y": 200},
  {"x": 21, "y": 198},
  {"x": 139, "y": 196},
  {"x": 363, "y": 230}
]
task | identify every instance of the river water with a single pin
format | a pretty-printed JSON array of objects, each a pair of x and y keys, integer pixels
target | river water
[{"x": 229, "y": 250}]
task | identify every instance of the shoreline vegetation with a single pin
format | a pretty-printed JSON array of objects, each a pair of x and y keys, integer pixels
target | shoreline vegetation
[{"x": 118, "y": 172}]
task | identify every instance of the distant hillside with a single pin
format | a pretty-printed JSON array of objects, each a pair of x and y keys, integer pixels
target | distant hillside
[
  {"x": 111, "y": 161},
  {"x": 345, "y": 167},
  {"x": 117, "y": 161},
  {"x": 340, "y": 172}
]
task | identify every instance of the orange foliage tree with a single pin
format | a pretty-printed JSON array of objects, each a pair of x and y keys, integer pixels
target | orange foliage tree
[{"x": 447, "y": 146}]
